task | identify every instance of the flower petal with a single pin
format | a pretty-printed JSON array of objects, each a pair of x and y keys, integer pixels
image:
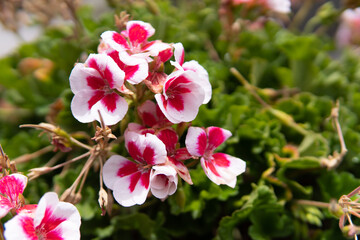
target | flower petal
[
  {"x": 81, "y": 78},
  {"x": 130, "y": 185},
  {"x": 57, "y": 220},
  {"x": 196, "y": 141},
  {"x": 169, "y": 137},
  {"x": 115, "y": 40},
  {"x": 139, "y": 182},
  {"x": 163, "y": 181},
  {"x": 223, "y": 169},
  {"x": 11, "y": 187},
  {"x": 107, "y": 68},
  {"x": 202, "y": 77},
  {"x": 181, "y": 98},
  {"x": 179, "y": 53},
  {"x": 216, "y": 136},
  {"x": 116, "y": 166},
  {"x": 138, "y": 32},
  {"x": 112, "y": 108},
  {"x": 20, "y": 227}
]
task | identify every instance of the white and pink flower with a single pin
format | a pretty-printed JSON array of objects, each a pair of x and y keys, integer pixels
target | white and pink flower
[
  {"x": 349, "y": 30},
  {"x": 182, "y": 96},
  {"x": 163, "y": 181},
  {"x": 134, "y": 40},
  {"x": 130, "y": 180},
  {"x": 11, "y": 189},
  {"x": 50, "y": 220},
  {"x": 219, "y": 167},
  {"x": 202, "y": 74},
  {"x": 95, "y": 84}
]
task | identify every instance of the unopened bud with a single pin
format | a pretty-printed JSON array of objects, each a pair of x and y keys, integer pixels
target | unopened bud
[{"x": 103, "y": 201}]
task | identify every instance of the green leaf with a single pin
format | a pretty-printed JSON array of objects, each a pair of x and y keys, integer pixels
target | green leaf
[{"x": 333, "y": 185}]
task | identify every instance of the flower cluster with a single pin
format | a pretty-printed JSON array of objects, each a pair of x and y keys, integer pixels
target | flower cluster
[
  {"x": 49, "y": 219},
  {"x": 129, "y": 70}
]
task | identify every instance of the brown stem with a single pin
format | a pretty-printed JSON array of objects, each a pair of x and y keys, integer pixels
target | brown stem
[
  {"x": 313, "y": 203},
  {"x": 30, "y": 156},
  {"x": 334, "y": 160}
]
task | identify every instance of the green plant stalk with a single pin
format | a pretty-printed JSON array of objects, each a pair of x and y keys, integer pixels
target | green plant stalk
[{"x": 282, "y": 116}]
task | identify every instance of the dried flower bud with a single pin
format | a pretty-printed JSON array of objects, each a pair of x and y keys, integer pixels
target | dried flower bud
[
  {"x": 103, "y": 133},
  {"x": 36, "y": 172},
  {"x": 103, "y": 201}
]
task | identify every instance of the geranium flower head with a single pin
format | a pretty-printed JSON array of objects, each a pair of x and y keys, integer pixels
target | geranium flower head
[
  {"x": 11, "y": 189},
  {"x": 130, "y": 180},
  {"x": 50, "y": 220},
  {"x": 182, "y": 96},
  {"x": 94, "y": 84},
  {"x": 133, "y": 39},
  {"x": 219, "y": 167}
]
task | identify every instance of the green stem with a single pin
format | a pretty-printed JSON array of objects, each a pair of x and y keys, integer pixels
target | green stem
[{"x": 282, "y": 116}]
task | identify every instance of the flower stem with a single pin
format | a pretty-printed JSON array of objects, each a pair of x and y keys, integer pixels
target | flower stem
[{"x": 28, "y": 157}]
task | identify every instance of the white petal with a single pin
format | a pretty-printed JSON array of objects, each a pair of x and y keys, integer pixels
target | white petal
[
  {"x": 48, "y": 201},
  {"x": 179, "y": 53},
  {"x": 202, "y": 79},
  {"x": 190, "y": 101},
  {"x": 105, "y": 62},
  {"x": 225, "y": 174},
  {"x": 143, "y": 67},
  {"x": 110, "y": 116},
  {"x": 15, "y": 229},
  {"x": 70, "y": 228},
  {"x": 78, "y": 77},
  {"x": 125, "y": 197},
  {"x": 111, "y": 168},
  {"x": 80, "y": 107},
  {"x": 108, "y": 38}
]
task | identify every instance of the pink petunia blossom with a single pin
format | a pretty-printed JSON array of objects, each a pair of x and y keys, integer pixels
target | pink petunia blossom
[
  {"x": 219, "y": 167},
  {"x": 202, "y": 74},
  {"x": 349, "y": 30},
  {"x": 95, "y": 84},
  {"x": 11, "y": 189},
  {"x": 181, "y": 97},
  {"x": 50, "y": 220},
  {"x": 163, "y": 181},
  {"x": 130, "y": 180}
]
